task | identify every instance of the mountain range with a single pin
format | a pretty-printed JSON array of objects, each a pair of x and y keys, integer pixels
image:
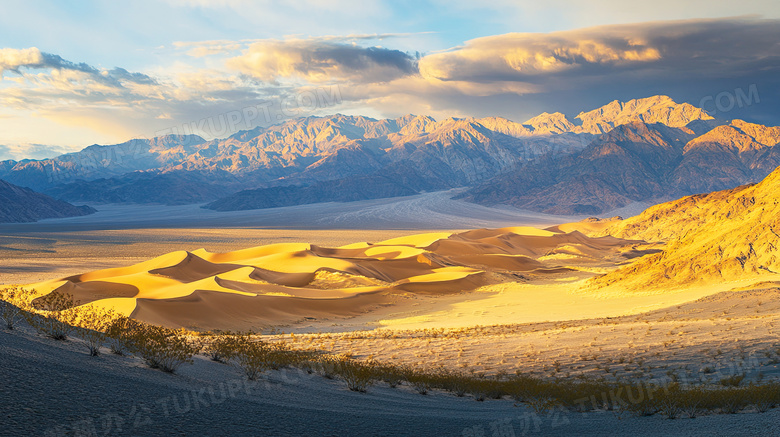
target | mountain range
[
  {"x": 649, "y": 149},
  {"x": 638, "y": 161}
]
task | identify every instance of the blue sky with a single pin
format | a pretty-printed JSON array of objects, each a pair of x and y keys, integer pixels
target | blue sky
[{"x": 83, "y": 72}]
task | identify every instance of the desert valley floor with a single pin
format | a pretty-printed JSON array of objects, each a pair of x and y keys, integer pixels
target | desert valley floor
[{"x": 505, "y": 290}]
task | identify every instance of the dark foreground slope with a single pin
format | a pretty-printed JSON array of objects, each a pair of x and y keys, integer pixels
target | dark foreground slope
[{"x": 55, "y": 389}]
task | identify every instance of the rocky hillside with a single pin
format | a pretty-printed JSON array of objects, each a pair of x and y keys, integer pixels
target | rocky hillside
[
  {"x": 21, "y": 205},
  {"x": 721, "y": 236},
  {"x": 639, "y": 161},
  {"x": 628, "y": 163}
]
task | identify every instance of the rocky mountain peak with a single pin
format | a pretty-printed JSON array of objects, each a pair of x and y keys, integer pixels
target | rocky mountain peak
[
  {"x": 655, "y": 109},
  {"x": 546, "y": 123},
  {"x": 415, "y": 124}
]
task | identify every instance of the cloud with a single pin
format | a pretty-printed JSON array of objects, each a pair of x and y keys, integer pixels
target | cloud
[
  {"x": 199, "y": 49},
  {"x": 13, "y": 59},
  {"x": 700, "y": 45},
  {"x": 519, "y": 75},
  {"x": 318, "y": 60},
  {"x": 31, "y": 151},
  {"x": 517, "y": 56},
  {"x": 19, "y": 60}
]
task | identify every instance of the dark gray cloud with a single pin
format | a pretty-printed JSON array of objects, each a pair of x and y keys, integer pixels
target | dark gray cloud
[
  {"x": 319, "y": 60},
  {"x": 693, "y": 60}
]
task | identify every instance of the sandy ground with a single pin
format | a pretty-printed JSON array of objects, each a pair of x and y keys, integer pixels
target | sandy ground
[
  {"x": 119, "y": 235},
  {"x": 704, "y": 340},
  {"x": 33, "y": 256},
  {"x": 55, "y": 389}
]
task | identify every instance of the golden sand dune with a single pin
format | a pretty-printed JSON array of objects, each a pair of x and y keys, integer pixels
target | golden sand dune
[{"x": 284, "y": 283}]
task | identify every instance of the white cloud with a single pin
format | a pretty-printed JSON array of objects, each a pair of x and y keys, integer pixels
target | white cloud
[{"x": 12, "y": 59}]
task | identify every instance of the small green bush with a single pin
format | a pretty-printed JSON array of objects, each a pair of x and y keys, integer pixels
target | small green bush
[
  {"x": 358, "y": 375},
  {"x": 13, "y": 304},
  {"x": 91, "y": 325},
  {"x": 50, "y": 316},
  {"x": 162, "y": 348},
  {"x": 118, "y": 332},
  {"x": 251, "y": 356},
  {"x": 222, "y": 347}
]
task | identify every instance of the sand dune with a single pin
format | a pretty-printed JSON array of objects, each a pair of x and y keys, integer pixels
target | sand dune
[{"x": 290, "y": 282}]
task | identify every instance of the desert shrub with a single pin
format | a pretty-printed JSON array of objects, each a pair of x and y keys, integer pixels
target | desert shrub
[
  {"x": 162, "y": 348},
  {"x": 13, "y": 302},
  {"x": 734, "y": 400},
  {"x": 118, "y": 332},
  {"x": 326, "y": 368},
  {"x": 670, "y": 401},
  {"x": 728, "y": 400},
  {"x": 645, "y": 403},
  {"x": 764, "y": 396},
  {"x": 494, "y": 389},
  {"x": 480, "y": 387},
  {"x": 692, "y": 401},
  {"x": 50, "y": 316},
  {"x": 91, "y": 325},
  {"x": 421, "y": 381},
  {"x": 358, "y": 375},
  {"x": 732, "y": 381},
  {"x": 523, "y": 388},
  {"x": 542, "y": 404},
  {"x": 222, "y": 347},
  {"x": 251, "y": 356},
  {"x": 390, "y": 374},
  {"x": 309, "y": 366},
  {"x": 281, "y": 356},
  {"x": 454, "y": 382}
]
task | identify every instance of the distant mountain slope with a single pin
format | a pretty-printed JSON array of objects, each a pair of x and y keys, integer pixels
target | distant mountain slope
[
  {"x": 727, "y": 156},
  {"x": 463, "y": 152},
  {"x": 168, "y": 188},
  {"x": 721, "y": 236},
  {"x": 638, "y": 162},
  {"x": 342, "y": 190},
  {"x": 22, "y": 205},
  {"x": 306, "y": 151},
  {"x": 629, "y": 163},
  {"x": 95, "y": 162}
]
